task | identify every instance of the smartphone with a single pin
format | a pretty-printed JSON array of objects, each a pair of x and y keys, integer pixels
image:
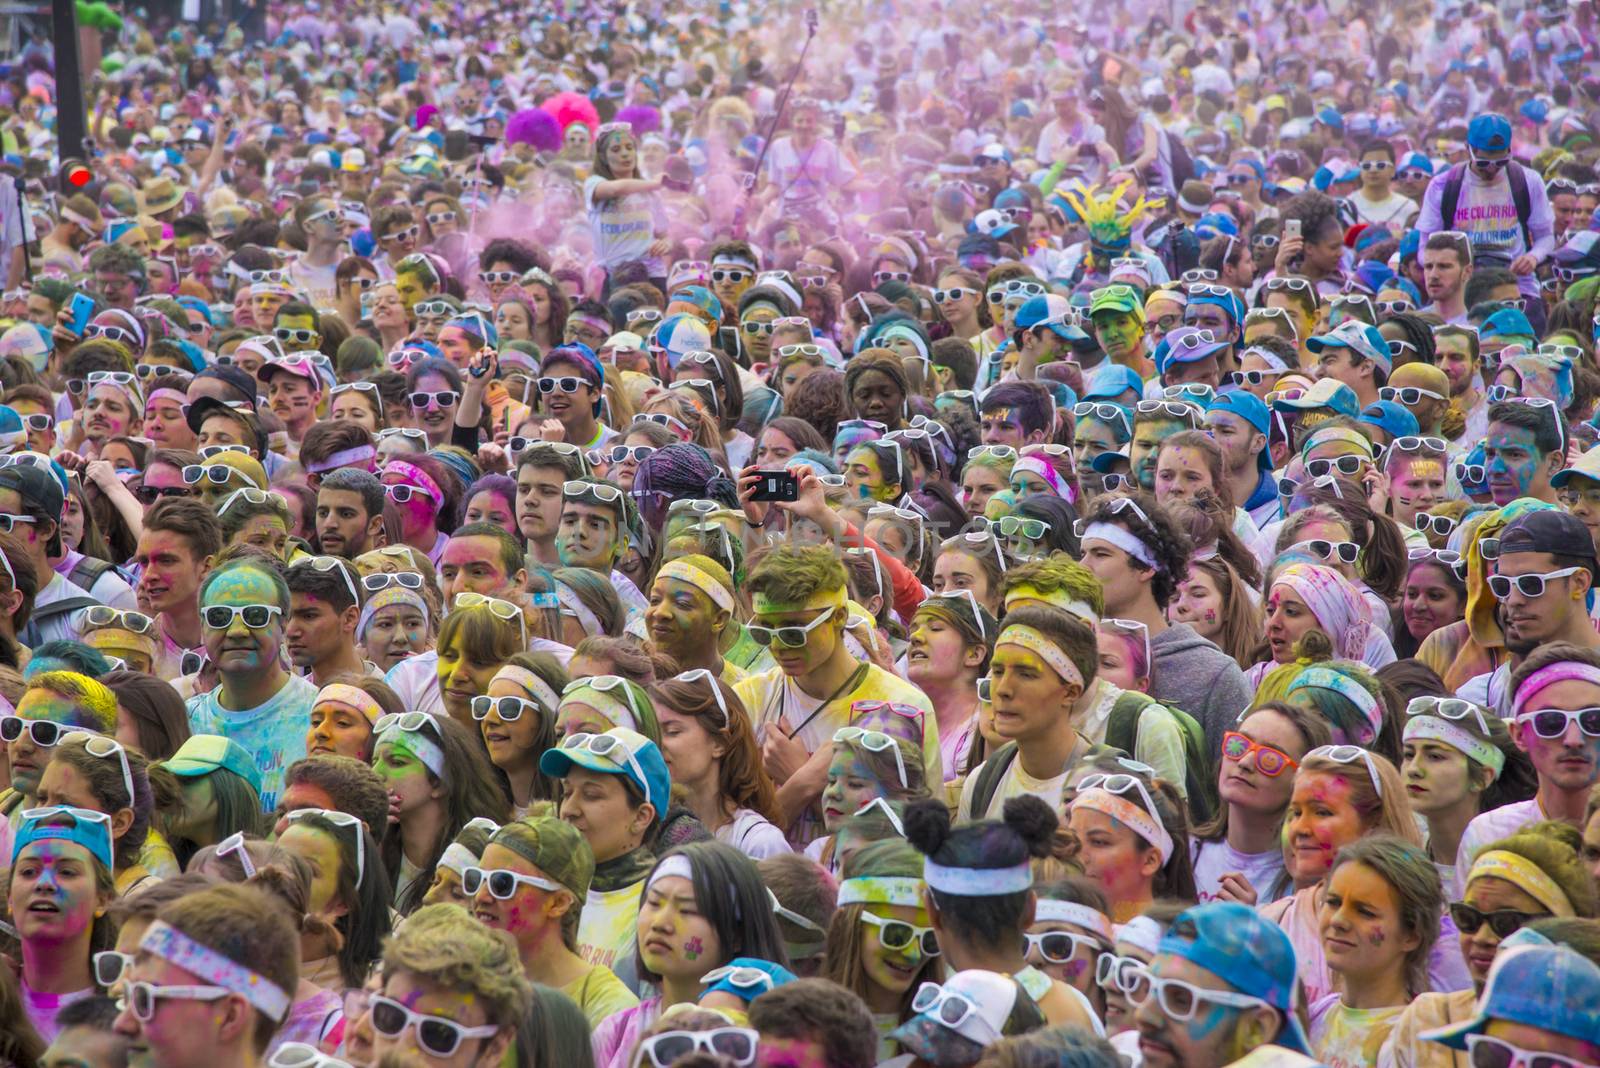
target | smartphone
[
  {"x": 776, "y": 486},
  {"x": 1291, "y": 228},
  {"x": 82, "y": 311}
]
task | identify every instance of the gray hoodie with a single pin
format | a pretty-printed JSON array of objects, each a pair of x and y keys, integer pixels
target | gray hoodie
[{"x": 1191, "y": 673}]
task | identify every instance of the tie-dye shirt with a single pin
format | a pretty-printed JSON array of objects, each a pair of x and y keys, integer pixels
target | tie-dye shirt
[{"x": 273, "y": 733}]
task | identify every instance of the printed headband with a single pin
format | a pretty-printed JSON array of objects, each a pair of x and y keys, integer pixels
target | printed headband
[
  {"x": 614, "y": 710},
  {"x": 1524, "y": 874},
  {"x": 1124, "y": 539},
  {"x": 881, "y": 890},
  {"x": 175, "y": 947},
  {"x": 532, "y": 683},
  {"x": 1119, "y": 808},
  {"x": 1321, "y": 678},
  {"x": 1036, "y": 466},
  {"x": 344, "y": 458},
  {"x": 385, "y": 598},
  {"x": 701, "y": 580},
  {"x": 341, "y": 693},
  {"x": 1060, "y": 599},
  {"x": 1050, "y": 911},
  {"x": 422, "y": 747},
  {"x": 1442, "y": 730},
  {"x": 417, "y": 477},
  {"x": 1545, "y": 677},
  {"x": 1337, "y": 433},
  {"x": 1047, "y": 650},
  {"x": 978, "y": 882}
]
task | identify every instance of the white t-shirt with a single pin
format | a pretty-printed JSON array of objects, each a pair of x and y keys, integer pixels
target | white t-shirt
[
  {"x": 1213, "y": 860},
  {"x": 1013, "y": 783},
  {"x": 64, "y": 625},
  {"x": 623, "y": 227},
  {"x": 1488, "y": 827},
  {"x": 1393, "y": 211},
  {"x": 754, "y": 835}
]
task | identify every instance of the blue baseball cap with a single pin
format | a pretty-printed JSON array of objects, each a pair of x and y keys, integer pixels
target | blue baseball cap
[
  {"x": 1253, "y": 410},
  {"x": 628, "y": 753},
  {"x": 1552, "y": 988},
  {"x": 1507, "y": 322},
  {"x": 1392, "y": 417},
  {"x": 1328, "y": 393},
  {"x": 1111, "y": 380},
  {"x": 1243, "y": 949},
  {"x": 1489, "y": 132},
  {"x": 1357, "y": 336},
  {"x": 1215, "y": 224},
  {"x": 1229, "y": 302},
  {"x": 1051, "y": 311},
  {"x": 1415, "y": 161},
  {"x": 1331, "y": 117},
  {"x": 201, "y": 754},
  {"x": 91, "y": 830},
  {"x": 1410, "y": 245},
  {"x": 1186, "y": 344}
]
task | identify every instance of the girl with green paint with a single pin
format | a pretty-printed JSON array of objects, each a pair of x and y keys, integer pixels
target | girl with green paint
[
  {"x": 438, "y": 778},
  {"x": 876, "y": 471}
]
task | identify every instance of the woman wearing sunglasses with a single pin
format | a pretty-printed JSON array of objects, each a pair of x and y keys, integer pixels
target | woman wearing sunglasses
[
  {"x": 881, "y": 942},
  {"x": 1133, "y": 835},
  {"x": 59, "y": 887},
  {"x": 54, "y": 704},
  {"x": 438, "y": 778},
  {"x": 516, "y": 717},
  {"x": 100, "y": 774},
  {"x": 958, "y": 294},
  {"x": 427, "y": 493},
  {"x": 452, "y": 993},
  {"x": 1238, "y": 855},
  {"x": 350, "y": 891},
  {"x": 256, "y": 518},
  {"x": 531, "y": 882},
  {"x": 433, "y": 388},
  {"x": 980, "y": 890},
  {"x": 1434, "y": 597},
  {"x": 1459, "y": 761},
  {"x": 711, "y": 751},
  {"x": 1530, "y": 876}
]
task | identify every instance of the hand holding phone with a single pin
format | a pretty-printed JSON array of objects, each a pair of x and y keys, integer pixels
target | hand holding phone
[
  {"x": 776, "y": 486},
  {"x": 82, "y": 311}
]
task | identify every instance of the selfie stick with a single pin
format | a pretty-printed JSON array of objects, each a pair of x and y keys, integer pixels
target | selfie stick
[{"x": 800, "y": 64}]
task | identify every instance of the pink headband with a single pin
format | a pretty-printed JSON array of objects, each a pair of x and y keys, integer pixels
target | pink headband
[
  {"x": 417, "y": 477},
  {"x": 169, "y": 394},
  {"x": 345, "y": 458},
  {"x": 1036, "y": 466},
  {"x": 1545, "y": 677}
]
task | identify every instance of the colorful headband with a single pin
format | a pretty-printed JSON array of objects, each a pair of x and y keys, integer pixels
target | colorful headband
[
  {"x": 1044, "y": 648},
  {"x": 177, "y": 948},
  {"x": 1337, "y": 433},
  {"x": 568, "y": 598},
  {"x": 421, "y": 746},
  {"x": 343, "y": 458},
  {"x": 164, "y": 393},
  {"x": 385, "y": 598},
  {"x": 615, "y": 711},
  {"x": 881, "y": 890},
  {"x": 540, "y": 689},
  {"x": 417, "y": 477},
  {"x": 700, "y": 579},
  {"x": 341, "y": 693},
  {"x": 1052, "y": 477},
  {"x": 1060, "y": 599},
  {"x": 1524, "y": 874},
  {"x": 1545, "y": 677},
  {"x": 1124, "y": 539},
  {"x": 1442, "y": 730},
  {"x": 1048, "y": 910},
  {"x": 1119, "y": 808},
  {"x": 978, "y": 882},
  {"x": 1321, "y": 678}
]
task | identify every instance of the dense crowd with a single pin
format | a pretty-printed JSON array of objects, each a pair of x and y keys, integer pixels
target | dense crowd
[{"x": 612, "y": 535}]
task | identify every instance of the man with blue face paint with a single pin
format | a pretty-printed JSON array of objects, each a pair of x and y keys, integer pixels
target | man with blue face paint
[
  {"x": 1218, "y": 309},
  {"x": 1524, "y": 448},
  {"x": 257, "y": 703}
]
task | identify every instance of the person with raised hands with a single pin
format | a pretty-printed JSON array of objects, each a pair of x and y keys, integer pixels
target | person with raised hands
[
  {"x": 531, "y": 882},
  {"x": 1221, "y": 983},
  {"x": 212, "y": 980},
  {"x": 1555, "y": 693},
  {"x": 257, "y": 704},
  {"x": 980, "y": 896},
  {"x": 711, "y": 751},
  {"x": 516, "y": 717}
]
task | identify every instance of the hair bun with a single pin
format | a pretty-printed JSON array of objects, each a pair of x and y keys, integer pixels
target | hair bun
[
  {"x": 927, "y": 824},
  {"x": 1034, "y": 822},
  {"x": 1314, "y": 646}
]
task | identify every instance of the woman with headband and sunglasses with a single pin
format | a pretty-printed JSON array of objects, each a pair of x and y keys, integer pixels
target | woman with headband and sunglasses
[
  {"x": 438, "y": 779},
  {"x": 1132, "y": 835},
  {"x": 100, "y": 774},
  {"x": 516, "y": 717},
  {"x": 711, "y": 750},
  {"x": 256, "y": 518},
  {"x": 865, "y": 767},
  {"x": 1533, "y": 874}
]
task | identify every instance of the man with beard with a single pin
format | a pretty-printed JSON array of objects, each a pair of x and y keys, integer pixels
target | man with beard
[
  {"x": 1456, "y": 352},
  {"x": 349, "y": 515}
]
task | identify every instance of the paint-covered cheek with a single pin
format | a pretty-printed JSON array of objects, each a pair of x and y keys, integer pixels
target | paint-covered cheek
[{"x": 1206, "y": 1022}]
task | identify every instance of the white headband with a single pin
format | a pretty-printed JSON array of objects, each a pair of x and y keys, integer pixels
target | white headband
[
  {"x": 1048, "y": 910},
  {"x": 457, "y": 858},
  {"x": 1141, "y": 932},
  {"x": 978, "y": 882},
  {"x": 1442, "y": 730},
  {"x": 1123, "y": 539},
  {"x": 675, "y": 866},
  {"x": 424, "y": 748},
  {"x": 569, "y": 599}
]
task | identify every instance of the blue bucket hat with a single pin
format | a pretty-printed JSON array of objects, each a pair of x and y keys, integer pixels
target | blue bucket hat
[{"x": 1243, "y": 949}]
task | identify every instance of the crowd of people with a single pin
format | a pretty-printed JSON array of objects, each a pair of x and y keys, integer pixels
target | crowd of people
[{"x": 726, "y": 536}]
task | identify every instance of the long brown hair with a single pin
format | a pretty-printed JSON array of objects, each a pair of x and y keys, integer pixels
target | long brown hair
[
  {"x": 1240, "y": 636},
  {"x": 741, "y": 779}
]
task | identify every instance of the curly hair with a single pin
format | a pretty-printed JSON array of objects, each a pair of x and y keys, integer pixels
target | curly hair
[
  {"x": 1168, "y": 543},
  {"x": 820, "y": 400}
]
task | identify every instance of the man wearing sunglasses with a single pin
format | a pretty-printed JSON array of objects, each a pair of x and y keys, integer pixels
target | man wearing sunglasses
[
  {"x": 1377, "y": 202},
  {"x": 1118, "y": 319},
  {"x": 1499, "y": 203},
  {"x": 33, "y": 499},
  {"x": 1553, "y": 695},
  {"x": 1224, "y": 964},
  {"x": 313, "y": 271},
  {"x": 1537, "y": 1008},
  {"x": 294, "y": 390},
  {"x": 1356, "y": 355},
  {"x": 256, "y": 703},
  {"x": 324, "y": 608},
  {"x": 799, "y": 596}
]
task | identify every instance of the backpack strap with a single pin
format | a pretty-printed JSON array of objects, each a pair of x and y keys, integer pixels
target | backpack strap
[
  {"x": 1451, "y": 196},
  {"x": 1122, "y": 726},
  {"x": 86, "y": 572},
  {"x": 989, "y": 776},
  {"x": 31, "y": 635},
  {"x": 1521, "y": 198}
]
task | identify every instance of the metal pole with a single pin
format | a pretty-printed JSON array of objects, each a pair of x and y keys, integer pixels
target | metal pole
[{"x": 70, "y": 115}]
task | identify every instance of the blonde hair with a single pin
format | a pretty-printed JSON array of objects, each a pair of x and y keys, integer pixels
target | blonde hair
[
  {"x": 446, "y": 946},
  {"x": 1383, "y": 804}
]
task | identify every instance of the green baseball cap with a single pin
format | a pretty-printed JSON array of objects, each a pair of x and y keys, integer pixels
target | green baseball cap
[
  {"x": 204, "y": 753},
  {"x": 553, "y": 846},
  {"x": 1116, "y": 298}
]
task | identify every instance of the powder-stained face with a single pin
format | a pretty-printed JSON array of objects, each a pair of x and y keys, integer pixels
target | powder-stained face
[
  {"x": 404, "y": 775},
  {"x": 1199, "y": 604},
  {"x": 892, "y": 969},
  {"x": 1416, "y": 484},
  {"x": 851, "y": 785},
  {"x": 675, "y": 939},
  {"x": 864, "y": 478},
  {"x": 1148, "y": 434},
  {"x": 1114, "y": 856},
  {"x": 425, "y": 997},
  {"x": 978, "y": 484},
  {"x": 237, "y": 648},
  {"x": 52, "y": 897},
  {"x": 1513, "y": 462},
  {"x": 1360, "y": 925},
  {"x": 528, "y": 912},
  {"x": 1320, "y": 821},
  {"x": 680, "y": 616},
  {"x": 1210, "y": 1036},
  {"x": 318, "y": 849},
  {"x": 27, "y": 760}
]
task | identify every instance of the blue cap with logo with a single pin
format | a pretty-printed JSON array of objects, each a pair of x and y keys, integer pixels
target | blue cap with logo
[
  {"x": 1051, "y": 311},
  {"x": 619, "y": 751},
  {"x": 1245, "y": 950},
  {"x": 1489, "y": 132}
]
